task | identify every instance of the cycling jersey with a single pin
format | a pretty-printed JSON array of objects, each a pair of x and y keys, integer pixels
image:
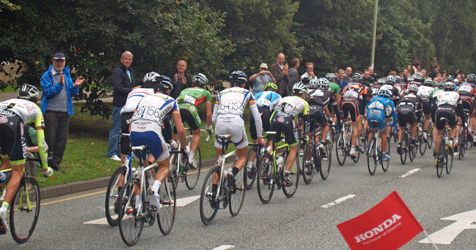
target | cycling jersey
[
  {"x": 194, "y": 96},
  {"x": 334, "y": 88},
  {"x": 155, "y": 108},
  {"x": 380, "y": 109},
  {"x": 267, "y": 99},
  {"x": 447, "y": 98},
  {"x": 233, "y": 101},
  {"x": 286, "y": 112},
  {"x": 134, "y": 97},
  {"x": 408, "y": 107},
  {"x": 292, "y": 106},
  {"x": 318, "y": 101},
  {"x": 12, "y": 141},
  {"x": 424, "y": 91},
  {"x": 449, "y": 105}
]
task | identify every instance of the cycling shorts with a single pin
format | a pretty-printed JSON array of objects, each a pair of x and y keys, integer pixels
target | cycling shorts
[
  {"x": 125, "y": 140},
  {"x": 149, "y": 133},
  {"x": 287, "y": 126},
  {"x": 376, "y": 119},
  {"x": 447, "y": 112},
  {"x": 468, "y": 104},
  {"x": 317, "y": 116},
  {"x": 351, "y": 106},
  {"x": 265, "y": 115},
  {"x": 405, "y": 117},
  {"x": 12, "y": 140},
  {"x": 189, "y": 114},
  {"x": 234, "y": 126},
  {"x": 426, "y": 105}
]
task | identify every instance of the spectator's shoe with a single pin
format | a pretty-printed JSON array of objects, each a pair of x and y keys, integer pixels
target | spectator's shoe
[
  {"x": 3, "y": 220},
  {"x": 231, "y": 183},
  {"x": 385, "y": 157},
  {"x": 115, "y": 158},
  {"x": 48, "y": 172},
  {"x": 58, "y": 169}
]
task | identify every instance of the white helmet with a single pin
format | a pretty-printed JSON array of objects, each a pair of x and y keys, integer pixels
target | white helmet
[{"x": 300, "y": 88}]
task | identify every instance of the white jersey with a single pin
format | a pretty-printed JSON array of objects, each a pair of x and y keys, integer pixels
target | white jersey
[
  {"x": 28, "y": 111},
  {"x": 134, "y": 97},
  {"x": 466, "y": 87},
  {"x": 424, "y": 91},
  {"x": 448, "y": 98},
  {"x": 155, "y": 108},
  {"x": 233, "y": 101}
]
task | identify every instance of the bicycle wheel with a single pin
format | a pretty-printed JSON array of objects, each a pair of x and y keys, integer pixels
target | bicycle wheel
[
  {"x": 208, "y": 199},
  {"x": 25, "y": 209},
  {"x": 385, "y": 164},
  {"x": 168, "y": 207},
  {"x": 238, "y": 197},
  {"x": 372, "y": 156},
  {"x": 290, "y": 190},
  {"x": 440, "y": 158},
  {"x": 461, "y": 143},
  {"x": 192, "y": 175},
  {"x": 357, "y": 150},
  {"x": 423, "y": 145},
  {"x": 130, "y": 222},
  {"x": 174, "y": 164},
  {"x": 403, "y": 148},
  {"x": 265, "y": 180},
  {"x": 449, "y": 162},
  {"x": 309, "y": 162},
  {"x": 325, "y": 162},
  {"x": 340, "y": 149},
  {"x": 112, "y": 196},
  {"x": 250, "y": 176}
]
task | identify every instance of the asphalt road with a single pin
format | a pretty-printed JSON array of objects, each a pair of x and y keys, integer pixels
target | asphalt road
[{"x": 74, "y": 221}]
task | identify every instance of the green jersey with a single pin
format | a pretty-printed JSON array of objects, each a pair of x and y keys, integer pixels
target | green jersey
[
  {"x": 433, "y": 92},
  {"x": 334, "y": 88},
  {"x": 194, "y": 96}
]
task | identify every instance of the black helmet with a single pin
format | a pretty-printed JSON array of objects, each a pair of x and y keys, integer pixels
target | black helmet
[
  {"x": 238, "y": 77},
  {"x": 357, "y": 77}
]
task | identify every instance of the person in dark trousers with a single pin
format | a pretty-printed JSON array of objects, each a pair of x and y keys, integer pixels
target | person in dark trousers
[
  {"x": 56, "y": 106},
  {"x": 122, "y": 83}
]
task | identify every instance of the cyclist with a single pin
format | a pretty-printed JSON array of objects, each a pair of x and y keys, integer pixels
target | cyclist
[
  {"x": 133, "y": 99},
  {"x": 448, "y": 106},
  {"x": 439, "y": 86},
  {"x": 408, "y": 112},
  {"x": 390, "y": 81},
  {"x": 333, "y": 86},
  {"x": 382, "y": 110},
  {"x": 14, "y": 114},
  {"x": 189, "y": 100},
  {"x": 424, "y": 93},
  {"x": 227, "y": 118},
  {"x": 319, "y": 102},
  {"x": 284, "y": 120},
  {"x": 467, "y": 92},
  {"x": 146, "y": 130},
  {"x": 354, "y": 97},
  {"x": 265, "y": 101}
]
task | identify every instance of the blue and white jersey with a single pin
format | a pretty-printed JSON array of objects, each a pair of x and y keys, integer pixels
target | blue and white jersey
[
  {"x": 134, "y": 97},
  {"x": 233, "y": 101},
  {"x": 383, "y": 105},
  {"x": 267, "y": 99},
  {"x": 155, "y": 108}
]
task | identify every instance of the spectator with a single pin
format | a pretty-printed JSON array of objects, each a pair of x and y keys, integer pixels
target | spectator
[
  {"x": 348, "y": 74},
  {"x": 293, "y": 73},
  {"x": 181, "y": 79},
  {"x": 366, "y": 79},
  {"x": 122, "y": 82},
  {"x": 57, "y": 106},
  {"x": 261, "y": 78},
  {"x": 309, "y": 71},
  {"x": 416, "y": 63},
  {"x": 280, "y": 72},
  {"x": 423, "y": 72},
  {"x": 372, "y": 74},
  {"x": 434, "y": 73},
  {"x": 433, "y": 65},
  {"x": 341, "y": 79}
]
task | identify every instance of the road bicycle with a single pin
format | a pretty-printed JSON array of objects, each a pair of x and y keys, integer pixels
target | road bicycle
[
  {"x": 181, "y": 170},
  {"x": 135, "y": 207},
  {"x": 374, "y": 152},
  {"x": 316, "y": 158},
  {"x": 255, "y": 153},
  {"x": 444, "y": 158},
  {"x": 25, "y": 206},
  {"x": 225, "y": 195},
  {"x": 406, "y": 148},
  {"x": 271, "y": 171},
  {"x": 344, "y": 143}
]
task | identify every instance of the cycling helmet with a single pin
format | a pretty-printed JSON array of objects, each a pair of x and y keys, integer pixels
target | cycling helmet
[
  {"x": 450, "y": 85},
  {"x": 428, "y": 82},
  {"x": 299, "y": 88},
  {"x": 28, "y": 91},
  {"x": 471, "y": 78},
  {"x": 200, "y": 78},
  {"x": 238, "y": 77},
  {"x": 323, "y": 83},
  {"x": 357, "y": 77},
  {"x": 151, "y": 77},
  {"x": 418, "y": 77},
  {"x": 410, "y": 79},
  {"x": 440, "y": 85},
  {"x": 313, "y": 83},
  {"x": 271, "y": 85},
  {"x": 305, "y": 80},
  {"x": 381, "y": 81},
  {"x": 449, "y": 78},
  {"x": 391, "y": 79},
  {"x": 413, "y": 87},
  {"x": 165, "y": 83},
  {"x": 385, "y": 92},
  {"x": 331, "y": 77}
]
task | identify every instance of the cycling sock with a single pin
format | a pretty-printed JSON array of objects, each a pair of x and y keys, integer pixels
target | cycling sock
[
  {"x": 156, "y": 186},
  {"x": 137, "y": 197},
  {"x": 235, "y": 171},
  {"x": 6, "y": 204},
  {"x": 191, "y": 155},
  {"x": 286, "y": 172}
]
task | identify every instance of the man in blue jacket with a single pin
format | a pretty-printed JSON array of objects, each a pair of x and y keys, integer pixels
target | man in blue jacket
[{"x": 57, "y": 106}]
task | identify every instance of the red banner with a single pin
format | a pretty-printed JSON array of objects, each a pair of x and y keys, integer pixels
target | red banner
[{"x": 388, "y": 225}]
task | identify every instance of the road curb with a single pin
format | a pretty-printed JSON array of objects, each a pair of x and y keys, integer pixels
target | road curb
[{"x": 86, "y": 185}]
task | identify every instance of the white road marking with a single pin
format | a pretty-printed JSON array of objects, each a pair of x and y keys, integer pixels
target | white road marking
[
  {"x": 340, "y": 200},
  {"x": 410, "y": 172},
  {"x": 447, "y": 234},
  {"x": 224, "y": 247},
  {"x": 180, "y": 203}
]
